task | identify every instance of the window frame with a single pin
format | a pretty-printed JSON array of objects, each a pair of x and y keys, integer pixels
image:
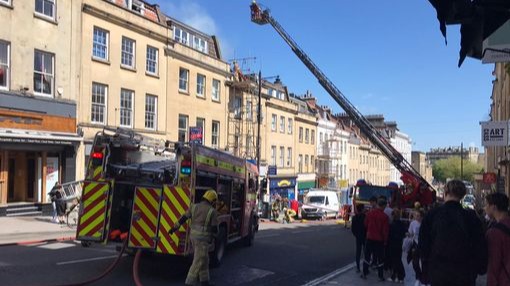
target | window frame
[
  {"x": 106, "y": 45},
  {"x": 201, "y": 119},
  {"x": 218, "y": 98},
  {"x": 104, "y": 106},
  {"x": 43, "y": 74},
  {"x": 203, "y": 49},
  {"x": 215, "y": 135},
  {"x": 282, "y": 124},
  {"x": 290, "y": 123},
  {"x": 6, "y": 2},
  {"x": 312, "y": 137},
  {"x": 307, "y": 135},
  {"x": 128, "y": 55},
  {"x": 7, "y": 73},
  {"x": 179, "y": 38},
  {"x": 42, "y": 14},
  {"x": 306, "y": 163},
  {"x": 154, "y": 113},
  {"x": 124, "y": 111},
  {"x": 273, "y": 155},
  {"x": 186, "y": 80},
  {"x": 181, "y": 129},
  {"x": 149, "y": 61},
  {"x": 289, "y": 157},
  {"x": 300, "y": 135},
  {"x": 201, "y": 86},
  {"x": 274, "y": 119},
  {"x": 300, "y": 163}
]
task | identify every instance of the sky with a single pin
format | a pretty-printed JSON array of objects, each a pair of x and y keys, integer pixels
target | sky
[{"x": 388, "y": 59}]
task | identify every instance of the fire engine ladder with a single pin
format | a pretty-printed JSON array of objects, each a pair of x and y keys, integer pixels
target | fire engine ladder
[{"x": 263, "y": 17}]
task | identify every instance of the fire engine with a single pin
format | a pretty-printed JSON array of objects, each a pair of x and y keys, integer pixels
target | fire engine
[{"x": 137, "y": 188}]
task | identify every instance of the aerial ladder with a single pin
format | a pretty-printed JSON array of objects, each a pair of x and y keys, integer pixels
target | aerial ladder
[{"x": 409, "y": 174}]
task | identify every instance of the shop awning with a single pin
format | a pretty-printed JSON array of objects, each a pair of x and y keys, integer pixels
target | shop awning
[
  {"x": 306, "y": 185},
  {"x": 38, "y": 137}
]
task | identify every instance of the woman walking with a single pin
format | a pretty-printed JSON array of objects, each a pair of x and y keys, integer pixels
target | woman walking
[
  {"x": 359, "y": 232},
  {"x": 396, "y": 238}
]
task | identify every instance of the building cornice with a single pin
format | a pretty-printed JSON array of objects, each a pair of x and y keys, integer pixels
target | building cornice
[
  {"x": 273, "y": 105},
  {"x": 106, "y": 16},
  {"x": 172, "y": 53},
  {"x": 299, "y": 119}
]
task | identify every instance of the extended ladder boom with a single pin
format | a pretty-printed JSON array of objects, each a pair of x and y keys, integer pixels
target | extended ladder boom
[{"x": 262, "y": 17}]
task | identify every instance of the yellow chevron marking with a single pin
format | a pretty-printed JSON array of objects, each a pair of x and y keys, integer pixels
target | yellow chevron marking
[
  {"x": 138, "y": 236},
  {"x": 150, "y": 232},
  {"x": 99, "y": 207},
  {"x": 151, "y": 199},
  {"x": 183, "y": 195},
  {"x": 89, "y": 187},
  {"x": 177, "y": 205},
  {"x": 97, "y": 171},
  {"x": 95, "y": 196},
  {"x": 174, "y": 219},
  {"x": 145, "y": 211},
  {"x": 88, "y": 228}
]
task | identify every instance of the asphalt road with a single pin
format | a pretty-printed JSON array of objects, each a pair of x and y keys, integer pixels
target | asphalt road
[{"x": 282, "y": 255}]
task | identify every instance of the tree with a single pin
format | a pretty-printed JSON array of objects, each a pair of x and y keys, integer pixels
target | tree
[{"x": 450, "y": 169}]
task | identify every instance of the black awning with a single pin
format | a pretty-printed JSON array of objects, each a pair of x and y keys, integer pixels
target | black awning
[{"x": 478, "y": 20}]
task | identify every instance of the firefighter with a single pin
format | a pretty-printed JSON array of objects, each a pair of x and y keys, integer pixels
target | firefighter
[{"x": 204, "y": 227}]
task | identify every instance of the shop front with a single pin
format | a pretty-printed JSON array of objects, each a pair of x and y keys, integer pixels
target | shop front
[
  {"x": 38, "y": 141},
  {"x": 285, "y": 187}
]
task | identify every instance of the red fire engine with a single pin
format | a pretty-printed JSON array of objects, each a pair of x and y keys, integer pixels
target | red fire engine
[{"x": 137, "y": 188}]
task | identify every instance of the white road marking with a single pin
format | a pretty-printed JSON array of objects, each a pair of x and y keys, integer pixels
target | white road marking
[
  {"x": 330, "y": 275},
  {"x": 58, "y": 245},
  {"x": 88, "y": 259}
]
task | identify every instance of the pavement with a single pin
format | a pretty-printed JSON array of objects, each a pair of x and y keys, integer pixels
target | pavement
[{"x": 27, "y": 230}]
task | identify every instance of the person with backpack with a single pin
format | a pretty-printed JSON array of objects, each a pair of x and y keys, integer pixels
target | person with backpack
[
  {"x": 360, "y": 233},
  {"x": 498, "y": 237},
  {"x": 452, "y": 244}
]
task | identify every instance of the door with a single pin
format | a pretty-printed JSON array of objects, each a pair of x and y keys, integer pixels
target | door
[
  {"x": 10, "y": 187},
  {"x": 31, "y": 172}
]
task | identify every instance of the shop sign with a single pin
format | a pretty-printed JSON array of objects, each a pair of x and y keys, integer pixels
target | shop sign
[
  {"x": 282, "y": 183},
  {"x": 272, "y": 170},
  {"x": 196, "y": 135},
  {"x": 34, "y": 141},
  {"x": 489, "y": 178},
  {"x": 494, "y": 133}
]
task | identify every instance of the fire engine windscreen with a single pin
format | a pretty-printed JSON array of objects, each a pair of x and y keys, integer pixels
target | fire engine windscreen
[{"x": 365, "y": 192}]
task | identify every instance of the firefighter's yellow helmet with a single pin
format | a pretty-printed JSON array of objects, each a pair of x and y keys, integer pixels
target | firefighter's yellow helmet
[{"x": 211, "y": 196}]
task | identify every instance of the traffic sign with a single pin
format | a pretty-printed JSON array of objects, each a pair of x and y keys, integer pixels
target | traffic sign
[{"x": 195, "y": 135}]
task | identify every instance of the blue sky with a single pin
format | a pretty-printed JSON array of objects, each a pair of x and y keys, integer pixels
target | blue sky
[{"x": 386, "y": 58}]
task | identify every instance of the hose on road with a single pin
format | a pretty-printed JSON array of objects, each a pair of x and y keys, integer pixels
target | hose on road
[
  {"x": 105, "y": 273},
  {"x": 136, "y": 264}
]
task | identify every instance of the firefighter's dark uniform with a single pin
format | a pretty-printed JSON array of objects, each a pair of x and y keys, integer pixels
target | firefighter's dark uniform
[{"x": 204, "y": 225}]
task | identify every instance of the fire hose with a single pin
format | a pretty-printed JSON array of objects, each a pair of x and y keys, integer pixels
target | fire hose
[
  {"x": 136, "y": 264},
  {"x": 105, "y": 273}
]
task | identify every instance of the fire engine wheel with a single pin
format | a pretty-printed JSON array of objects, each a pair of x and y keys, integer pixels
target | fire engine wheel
[
  {"x": 250, "y": 238},
  {"x": 220, "y": 245}
]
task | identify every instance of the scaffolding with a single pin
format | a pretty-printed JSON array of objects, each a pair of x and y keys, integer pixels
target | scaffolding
[{"x": 242, "y": 114}]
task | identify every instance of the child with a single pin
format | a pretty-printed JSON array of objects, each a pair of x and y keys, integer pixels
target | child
[{"x": 395, "y": 240}]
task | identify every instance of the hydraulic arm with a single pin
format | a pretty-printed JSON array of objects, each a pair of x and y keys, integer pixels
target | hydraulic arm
[{"x": 263, "y": 17}]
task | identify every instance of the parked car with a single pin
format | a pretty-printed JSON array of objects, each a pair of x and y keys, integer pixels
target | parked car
[{"x": 320, "y": 204}]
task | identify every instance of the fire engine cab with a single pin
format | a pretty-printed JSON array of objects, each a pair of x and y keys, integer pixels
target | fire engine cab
[{"x": 137, "y": 188}]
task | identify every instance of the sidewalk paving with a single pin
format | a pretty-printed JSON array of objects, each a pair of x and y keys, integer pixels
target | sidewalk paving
[
  {"x": 351, "y": 278},
  {"x": 21, "y": 230}
]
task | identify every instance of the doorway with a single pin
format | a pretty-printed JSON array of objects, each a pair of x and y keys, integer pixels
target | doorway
[
  {"x": 31, "y": 172},
  {"x": 11, "y": 178}
]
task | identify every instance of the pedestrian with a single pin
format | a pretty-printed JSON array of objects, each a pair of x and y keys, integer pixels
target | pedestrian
[
  {"x": 414, "y": 253},
  {"x": 452, "y": 245},
  {"x": 204, "y": 227},
  {"x": 498, "y": 238},
  {"x": 360, "y": 233},
  {"x": 275, "y": 208},
  {"x": 377, "y": 225},
  {"x": 395, "y": 240},
  {"x": 53, "y": 198},
  {"x": 373, "y": 202}
]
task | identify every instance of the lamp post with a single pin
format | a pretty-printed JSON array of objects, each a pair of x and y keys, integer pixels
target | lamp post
[{"x": 461, "y": 161}]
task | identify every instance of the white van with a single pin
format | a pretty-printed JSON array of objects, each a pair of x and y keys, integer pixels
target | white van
[{"x": 320, "y": 204}]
